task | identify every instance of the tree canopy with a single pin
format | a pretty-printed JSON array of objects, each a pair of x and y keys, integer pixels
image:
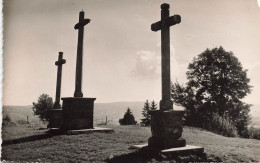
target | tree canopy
[
  {"x": 128, "y": 118},
  {"x": 216, "y": 83},
  {"x": 42, "y": 107},
  {"x": 146, "y": 120}
]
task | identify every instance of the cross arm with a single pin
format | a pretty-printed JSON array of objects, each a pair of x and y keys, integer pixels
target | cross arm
[
  {"x": 60, "y": 62},
  {"x": 170, "y": 21},
  {"x": 82, "y": 23}
]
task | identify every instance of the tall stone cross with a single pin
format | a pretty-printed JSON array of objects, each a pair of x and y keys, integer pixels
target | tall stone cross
[
  {"x": 58, "y": 63},
  {"x": 164, "y": 25},
  {"x": 80, "y": 26}
]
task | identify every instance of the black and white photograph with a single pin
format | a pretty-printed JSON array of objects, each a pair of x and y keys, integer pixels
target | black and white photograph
[{"x": 132, "y": 81}]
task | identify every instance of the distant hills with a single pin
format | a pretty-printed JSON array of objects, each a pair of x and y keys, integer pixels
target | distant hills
[{"x": 114, "y": 111}]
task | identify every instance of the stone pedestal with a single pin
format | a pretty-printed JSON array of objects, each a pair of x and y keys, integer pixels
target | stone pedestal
[
  {"x": 166, "y": 127},
  {"x": 56, "y": 119},
  {"x": 77, "y": 113}
]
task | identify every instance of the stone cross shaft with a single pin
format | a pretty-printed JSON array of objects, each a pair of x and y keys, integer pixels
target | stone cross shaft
[
  {"x": 164, "y": 25},
  {"x": 58, "y": 63},
  {"x": 80, "y": 26}
]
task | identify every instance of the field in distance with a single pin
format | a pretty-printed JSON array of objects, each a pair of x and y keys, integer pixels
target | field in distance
[{"x": 113, "y": 112}]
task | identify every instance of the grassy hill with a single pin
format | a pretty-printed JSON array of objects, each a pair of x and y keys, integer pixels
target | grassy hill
[
  {"x": 33, "y": 144},
  {"x": 97, "y": 147}
]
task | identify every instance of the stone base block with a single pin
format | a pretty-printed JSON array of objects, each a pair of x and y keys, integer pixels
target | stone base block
[
  {"x": 166, "y": 127},
  {"x": 77, "y": 113},
  {"x": 56, "y": 118},
  {"x": 165, "y": 143}
]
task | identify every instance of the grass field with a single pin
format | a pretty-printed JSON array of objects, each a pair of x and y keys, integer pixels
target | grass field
[
  {"x": 100, "y": 146},
  {"x": 27, "y": 142}
]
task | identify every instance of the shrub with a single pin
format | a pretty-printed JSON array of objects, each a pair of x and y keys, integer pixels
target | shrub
[
  {"x": 254, "y": 133},
  {"x": 42, "y": 107},
  {"x": 7, "y": 118},
  {"x": 222, "y": 126},
  {"x": 7, "y": 121},
  {"x": 22, "y": 122},
  {"x": 128, "y": 118}
]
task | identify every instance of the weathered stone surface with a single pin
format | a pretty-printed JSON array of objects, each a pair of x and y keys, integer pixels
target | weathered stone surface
[
  {"x": 58, "y": 63},
  {"x": 165, "y": 142},
  {"x": 164, "y": 25},
  {"x": 80, "y": 26},
  {"x": 77, "y": 113},
  {"x": 166, "y": 127},
  {"x": 166, "y": 104},
  {"x": 56, "y": 118}
]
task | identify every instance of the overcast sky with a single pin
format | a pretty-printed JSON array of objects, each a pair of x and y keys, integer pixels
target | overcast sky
[{"x": 121, "y": 53}]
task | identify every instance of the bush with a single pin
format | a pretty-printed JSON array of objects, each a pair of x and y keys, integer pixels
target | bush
[
  {"x": 222, "y": 126},
  {"x": 254, "y": 133},
  {"x": 128, "y": 118},
  {"x": 42, "y": 107},
  {"x": 22, "y": 122},
  {"x": 7, "y": 121},
  {"x": 7, "y": 118}
]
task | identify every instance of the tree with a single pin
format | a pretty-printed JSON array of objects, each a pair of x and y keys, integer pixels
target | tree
[
  {"x": 153, "y": 106},
  {"x": 128, "y": 118},
  {"x": 216, "y": 83},
  {"x": 42, "y": 107},
  {"x": 146, "y": 121}
]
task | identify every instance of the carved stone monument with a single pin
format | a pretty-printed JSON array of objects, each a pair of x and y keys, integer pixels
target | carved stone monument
[
  {"x": 166, "y": 123},
  {"x": 77, "y": 110},
  {"x": 58, "y": 63},
  {"x": 56, "y": 112}
]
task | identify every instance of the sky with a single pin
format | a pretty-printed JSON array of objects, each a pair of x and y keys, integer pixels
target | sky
[{"x": 121, "y": 59}]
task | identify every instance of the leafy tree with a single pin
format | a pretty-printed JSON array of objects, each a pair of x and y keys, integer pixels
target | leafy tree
[
  {"x": 42, "y": 107},
  {"x": 216, "y": 84},
  {"x": 146, "y": 121},
  {"x": 128, "y": 118}
]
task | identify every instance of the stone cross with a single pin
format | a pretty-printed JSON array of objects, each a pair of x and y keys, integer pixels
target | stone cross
[
  {"x": 164, "y": 25},
  {"x": 58, "y": 63},
  {"x": 80, "y": 26}
]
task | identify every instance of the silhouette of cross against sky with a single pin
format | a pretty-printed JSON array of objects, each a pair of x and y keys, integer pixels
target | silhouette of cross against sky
[{"x": 121, "y": 58}]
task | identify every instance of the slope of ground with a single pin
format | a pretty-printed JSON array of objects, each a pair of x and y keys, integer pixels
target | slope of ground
[
  {"x": 32, "y": 144},
  {"x": 100, "y": 146}
]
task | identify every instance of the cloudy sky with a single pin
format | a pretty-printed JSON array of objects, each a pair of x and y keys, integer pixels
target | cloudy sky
[{"x": 121, "y": 53}]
